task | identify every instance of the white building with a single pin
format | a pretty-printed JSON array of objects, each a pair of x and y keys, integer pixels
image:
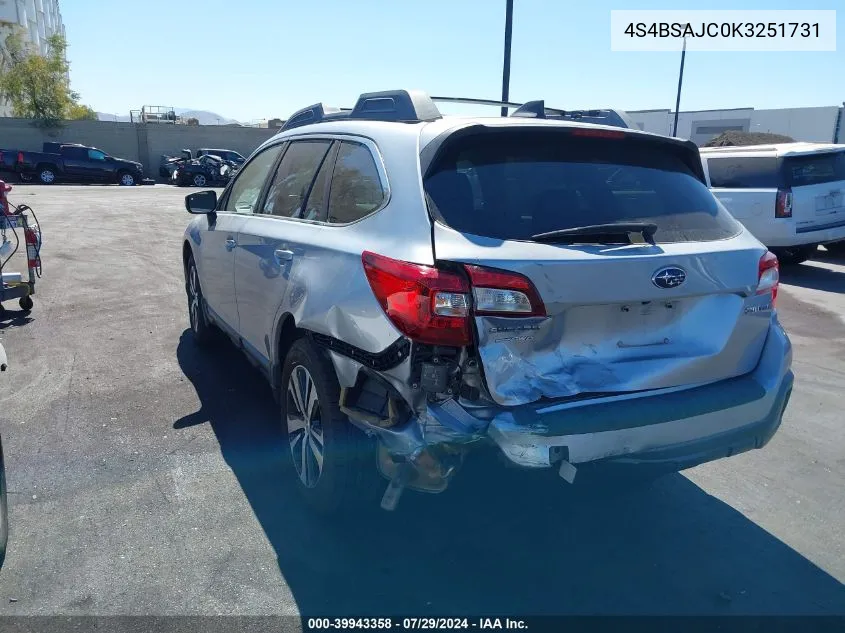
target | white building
[
  {"x": 821, "y": 125},
  {"x": 39, "y": 19}
]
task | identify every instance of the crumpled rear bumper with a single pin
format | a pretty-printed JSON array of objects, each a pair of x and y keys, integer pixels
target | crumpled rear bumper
[{"x": 681, "y": 428}]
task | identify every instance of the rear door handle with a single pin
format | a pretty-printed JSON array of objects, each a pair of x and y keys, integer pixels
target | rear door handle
[
  {"x": 230, "y": 243},
  {"x": 283, "y": 255}
]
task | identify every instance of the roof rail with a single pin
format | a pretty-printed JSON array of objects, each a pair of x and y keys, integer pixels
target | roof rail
[
  {"x": 408, "y": 106},
  {"x": 395, "y": 105},
  {"x": 413, "y": 106},
  {"x": 539, "y": 110},
  {"x": 314, "y": 114}
]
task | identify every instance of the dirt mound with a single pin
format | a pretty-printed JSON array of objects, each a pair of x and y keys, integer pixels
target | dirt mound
[{"x": 731, "y": 138}]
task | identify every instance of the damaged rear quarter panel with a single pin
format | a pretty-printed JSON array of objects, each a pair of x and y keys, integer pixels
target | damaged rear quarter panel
[{"x": 324, "y": 287}]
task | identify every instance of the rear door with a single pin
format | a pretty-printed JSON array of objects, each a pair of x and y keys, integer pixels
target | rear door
[
  {"x": 270, "y": 246},
  {"x": 618, "y": 314},
  {"x": 817, "y": 182},
  {"x": 75, "y": 161}
]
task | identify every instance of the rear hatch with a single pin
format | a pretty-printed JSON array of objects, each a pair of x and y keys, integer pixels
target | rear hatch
[
  {"x": 669, "y": 300},
  {"x": 817, "y": 183}
]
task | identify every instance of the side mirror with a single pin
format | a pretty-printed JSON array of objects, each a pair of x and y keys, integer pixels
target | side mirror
[{"x": 202, "y": 202}]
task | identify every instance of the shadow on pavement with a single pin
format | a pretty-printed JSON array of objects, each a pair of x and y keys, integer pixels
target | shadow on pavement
[
  {"x": 815, "y": 277},
  {"x": 500, "y": 541},
  {"x": 14, "y": 318}
]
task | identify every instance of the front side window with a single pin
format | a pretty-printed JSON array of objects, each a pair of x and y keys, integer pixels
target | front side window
[
  {"x": 356, "y": 189},
  {"x": 95, "y": 154},
  {"x": 294, "y": 177},
  {"x": 243, "y": 197}
]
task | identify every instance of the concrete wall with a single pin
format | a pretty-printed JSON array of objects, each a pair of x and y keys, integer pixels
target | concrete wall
[
  {"x": 143, "y": 143},
  {"x": 802, "y": 124}
]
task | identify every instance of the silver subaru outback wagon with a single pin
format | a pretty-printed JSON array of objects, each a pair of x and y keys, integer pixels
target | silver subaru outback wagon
[{"x": 414, "y": 286}]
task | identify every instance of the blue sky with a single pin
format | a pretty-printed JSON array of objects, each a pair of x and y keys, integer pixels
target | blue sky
[{"x": 278, "y": 55}]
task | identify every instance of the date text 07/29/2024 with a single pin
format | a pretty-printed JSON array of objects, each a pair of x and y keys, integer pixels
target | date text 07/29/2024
[{"x": 415, "y": 624}]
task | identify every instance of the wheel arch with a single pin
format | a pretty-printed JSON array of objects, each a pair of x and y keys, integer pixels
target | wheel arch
[
  {"x": 285, "y": 335},
  {"x": 187, "y": 253}
]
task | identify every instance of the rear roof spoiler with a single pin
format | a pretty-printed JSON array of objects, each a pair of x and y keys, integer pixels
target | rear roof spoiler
[{"x": 413, "y": 106}]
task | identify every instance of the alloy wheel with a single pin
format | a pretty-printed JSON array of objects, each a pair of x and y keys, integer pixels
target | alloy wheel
[
  {"x": 193, "y": 298},
  {"x": 305, "y": 427}
]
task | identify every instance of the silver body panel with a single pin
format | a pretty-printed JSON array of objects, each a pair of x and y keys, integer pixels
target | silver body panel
[{"x": 713, "y": 328}]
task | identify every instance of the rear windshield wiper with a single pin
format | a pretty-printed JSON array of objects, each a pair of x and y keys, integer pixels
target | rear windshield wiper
[{"x": 601, "y": 233}]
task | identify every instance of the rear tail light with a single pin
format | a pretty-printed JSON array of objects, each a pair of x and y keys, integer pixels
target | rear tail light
[
  {"x": 597, "y": 133},
  {"x": 435, "y": 306},
  {"x": 783, "y": 205},
  {"x": 501, "y": 293},
  {"x": 426, "y": 304},
  {"x": 769, "y": 276}
]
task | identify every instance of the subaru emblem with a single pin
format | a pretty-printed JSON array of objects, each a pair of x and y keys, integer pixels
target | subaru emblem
[{"x": 669, "y": 277}]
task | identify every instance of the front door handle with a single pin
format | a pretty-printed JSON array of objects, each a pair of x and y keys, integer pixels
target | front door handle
[
  {"x": 230, "y": 243},
  {"x": 283, "y": 255}
]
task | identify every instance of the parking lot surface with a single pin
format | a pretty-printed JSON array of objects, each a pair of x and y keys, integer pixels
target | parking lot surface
[{"x": 145, "y": 475}]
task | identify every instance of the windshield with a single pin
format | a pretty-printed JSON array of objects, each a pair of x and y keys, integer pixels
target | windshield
[{"x": 515, "y": 184}]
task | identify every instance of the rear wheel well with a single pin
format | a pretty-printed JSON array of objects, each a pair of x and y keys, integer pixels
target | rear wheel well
[
  {"x": 50, "y": 166},
  {"x": 288, "y": 335}
]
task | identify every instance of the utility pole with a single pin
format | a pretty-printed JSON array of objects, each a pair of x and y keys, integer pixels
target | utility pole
[
  {"x": 680, "y": 82},
  {"x": 506, "y": 69}
]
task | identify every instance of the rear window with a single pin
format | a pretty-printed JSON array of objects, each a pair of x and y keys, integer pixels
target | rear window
[
  {"x": 744, "y": 172},
  {"x": 814, "y": 169},
  {"x": 515, "y": 184}
]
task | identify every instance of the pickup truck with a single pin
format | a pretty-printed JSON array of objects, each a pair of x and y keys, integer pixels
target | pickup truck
[{"x": 70, "y": 162}]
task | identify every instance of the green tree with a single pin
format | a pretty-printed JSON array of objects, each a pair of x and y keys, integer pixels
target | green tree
[
  {"x": 79, "y": 112},
  {"x": 36, "y": 86},
  {"x": 193, "y": 121}
]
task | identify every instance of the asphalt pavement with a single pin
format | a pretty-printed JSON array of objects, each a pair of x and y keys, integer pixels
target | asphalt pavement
[{"x": 145, "y": 475}]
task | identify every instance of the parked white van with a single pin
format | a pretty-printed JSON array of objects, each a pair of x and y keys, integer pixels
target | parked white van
[{"x": 791, "y": 196}]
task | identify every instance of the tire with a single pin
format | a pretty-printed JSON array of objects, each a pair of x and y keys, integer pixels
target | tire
[
  {"x": 200, "y": 180},
  {"x": 837, "y": 248},
  {"x": 344, "y": 479},
  {"x": 200, "y": 326},
  {"x": 4, "y": 510},
  {"x": 126, "y": 179},
  {"x": 25, "y": 303},
  {"x": 47, "y": 175},
  {"x": 796, "y": 255}
]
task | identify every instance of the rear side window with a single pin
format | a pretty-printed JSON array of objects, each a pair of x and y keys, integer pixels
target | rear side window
[
  {"x": 814, "y": 169},
  {"x": 75, "y": 153},
  {"x": 744, "y": 172},
  {"x": 515, "y": 184},
  {"x": 292, "y": 182},
  {"x": 356, "y": 189}
]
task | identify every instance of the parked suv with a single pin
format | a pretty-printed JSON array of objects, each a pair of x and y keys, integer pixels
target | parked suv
[
  {"x": 791, "y": 196},
  {"x": 413, "y": 285}
]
